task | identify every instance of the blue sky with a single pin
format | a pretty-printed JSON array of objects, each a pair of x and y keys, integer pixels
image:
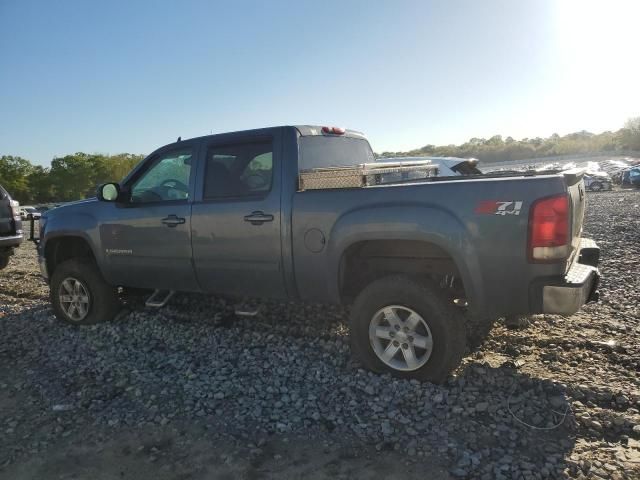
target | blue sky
[{"x": 132, "y": 75}]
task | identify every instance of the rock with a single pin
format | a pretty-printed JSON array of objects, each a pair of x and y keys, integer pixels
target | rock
[
  {"x": 387, "y": 429},
  {"x": 618, "y": 421},
  {"x": 62, "y": 407}
]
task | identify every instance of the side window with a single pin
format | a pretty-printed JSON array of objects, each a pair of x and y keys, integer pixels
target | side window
[
  {"x": 239, "y": 170},
  {"x": 166, "y": 179}
]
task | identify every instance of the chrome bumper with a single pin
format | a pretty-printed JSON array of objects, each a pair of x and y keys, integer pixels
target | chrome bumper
[{"x": 579, "y": 285}]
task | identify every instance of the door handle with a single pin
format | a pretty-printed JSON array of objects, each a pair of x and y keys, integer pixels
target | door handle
[
  {"x": 173, "y": 220},
  {"x": 258, "y": 218}
]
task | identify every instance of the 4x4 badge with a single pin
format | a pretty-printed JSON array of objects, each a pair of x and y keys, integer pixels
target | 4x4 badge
[{"x": 498, "y": 207}]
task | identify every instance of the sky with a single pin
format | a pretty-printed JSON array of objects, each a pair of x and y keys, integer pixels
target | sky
[{"x": 132, "y": 75}]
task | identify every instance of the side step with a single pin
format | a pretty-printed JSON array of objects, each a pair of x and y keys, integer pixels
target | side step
[
  {"x": 246, "y": 310},
  {"x": 159, "y": 298}
]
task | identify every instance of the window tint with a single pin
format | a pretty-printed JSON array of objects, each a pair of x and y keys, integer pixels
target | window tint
[
  {"x": 239, "y": 170},
  {"x": 166, "y": 179}
]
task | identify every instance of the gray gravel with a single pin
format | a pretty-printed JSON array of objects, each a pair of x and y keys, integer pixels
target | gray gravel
[{"x": 560, "y": 398}]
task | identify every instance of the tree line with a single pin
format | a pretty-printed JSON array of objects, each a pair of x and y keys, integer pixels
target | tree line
[
  {"x": 71, "y": 177},
  {"x": 498, "y": 149},
  {"x": 77, "y": 176}
]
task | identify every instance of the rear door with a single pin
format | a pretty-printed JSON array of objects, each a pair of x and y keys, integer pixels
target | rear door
[{"x": 236, "y": 223}]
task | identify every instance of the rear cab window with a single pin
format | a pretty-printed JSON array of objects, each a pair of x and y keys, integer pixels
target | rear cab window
[{"x": 322, "y": 151}]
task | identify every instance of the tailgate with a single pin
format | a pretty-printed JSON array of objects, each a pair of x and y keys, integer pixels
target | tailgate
[
  {"x": 7, "y": 221},
  {"x": 575, "y": 188}
]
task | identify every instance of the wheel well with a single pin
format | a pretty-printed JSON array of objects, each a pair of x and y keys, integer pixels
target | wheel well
[
  {"x": 60, "y": 249},
  {"x": 364, "y": 262}
]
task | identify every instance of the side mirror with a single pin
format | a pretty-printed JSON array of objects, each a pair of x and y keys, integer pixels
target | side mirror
[{"x": 108, "y": 192}]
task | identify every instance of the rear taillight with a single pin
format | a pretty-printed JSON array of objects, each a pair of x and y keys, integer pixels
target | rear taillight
[
  {"x": 549, "y": 229},
  {"x": 15, "y": 209}
]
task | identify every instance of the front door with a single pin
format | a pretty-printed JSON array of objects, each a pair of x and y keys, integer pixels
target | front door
[
  {"x": 236, "y": 219},
  {"x": 147, "y": 235}
]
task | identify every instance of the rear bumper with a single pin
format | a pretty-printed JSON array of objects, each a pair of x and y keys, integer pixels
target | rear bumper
[
  {"x": 11, "y": 241},
  {"x": 566, "y": 295}
]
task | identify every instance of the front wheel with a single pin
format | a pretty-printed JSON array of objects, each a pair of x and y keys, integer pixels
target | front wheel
[
  {"x": 596, "y": 186},
  {"x": 79, "y": 294},
  {"x": 4, "y": 261},
  {"x": 407, "y": 328}
]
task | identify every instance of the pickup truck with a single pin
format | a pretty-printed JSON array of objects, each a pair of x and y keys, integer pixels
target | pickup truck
[
  {"x": 10, "y": 227},
  {"x": 225, "y": 214}
]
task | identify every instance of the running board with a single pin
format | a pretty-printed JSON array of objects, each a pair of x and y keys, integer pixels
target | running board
[{"x": 159, "y": 298}]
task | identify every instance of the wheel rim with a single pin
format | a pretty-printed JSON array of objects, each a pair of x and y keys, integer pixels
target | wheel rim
[
  {"x": 400, "y": 338},
  {"x": 74, "y": 299}
]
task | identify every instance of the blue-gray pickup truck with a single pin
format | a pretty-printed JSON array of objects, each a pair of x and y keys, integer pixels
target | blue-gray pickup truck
[{"x": 415, "y": 259}]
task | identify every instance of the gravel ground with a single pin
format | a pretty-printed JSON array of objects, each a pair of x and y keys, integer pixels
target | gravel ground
[{"x": 192, "y": 392}]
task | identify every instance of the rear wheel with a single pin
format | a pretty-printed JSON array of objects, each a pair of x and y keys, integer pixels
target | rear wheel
[
  {"x": 596, "y": 186},
  {"x": 79, "y": 294},
  {"x": 407, "y": 328},
  {"x": 4, "y": 261}
]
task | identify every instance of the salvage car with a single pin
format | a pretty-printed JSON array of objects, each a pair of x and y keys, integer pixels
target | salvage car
[
  {"x": 446, "y": 166},
  {"x": 10, "y": 227},
  {"x": 291, "y": 213},
  {"x": 630, "y": 177},
  {"x": 595, "y": 182}
]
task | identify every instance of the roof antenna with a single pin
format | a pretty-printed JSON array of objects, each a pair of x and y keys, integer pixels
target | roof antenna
[{"x": 179, "y": 138}]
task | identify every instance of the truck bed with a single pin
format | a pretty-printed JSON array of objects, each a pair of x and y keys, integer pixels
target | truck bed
[{"x": 489, "y": 250}]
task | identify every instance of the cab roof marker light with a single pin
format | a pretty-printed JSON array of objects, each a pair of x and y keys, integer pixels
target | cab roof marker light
[{"x": 333, "y": 130}]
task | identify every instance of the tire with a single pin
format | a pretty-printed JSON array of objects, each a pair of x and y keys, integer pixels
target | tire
[
  {"x": 438, "y": 319},
  {"x": 4, "y": 261},
  {"x": 95, "y": 298},
  {"x": 595, "y": 187}
]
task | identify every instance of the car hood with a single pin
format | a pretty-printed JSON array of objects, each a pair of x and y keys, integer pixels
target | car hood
[{"x": 71, "y": 206}]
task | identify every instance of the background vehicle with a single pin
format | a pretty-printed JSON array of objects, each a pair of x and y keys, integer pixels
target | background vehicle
[
  {"x": 447, "y": 166},
  {"x": 27, "y": 212},
  {"x": 226, "y": 214},
  {"x": 630, "y": 177},
  {"x": 597, "y": 183},
  {"x": 10, "y": 227}
]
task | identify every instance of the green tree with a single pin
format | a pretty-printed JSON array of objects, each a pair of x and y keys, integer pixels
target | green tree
[{"x": 13, "y": 176}]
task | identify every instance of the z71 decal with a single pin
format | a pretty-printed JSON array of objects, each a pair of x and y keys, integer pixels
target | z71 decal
[{"x": 496, "y": 207}]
